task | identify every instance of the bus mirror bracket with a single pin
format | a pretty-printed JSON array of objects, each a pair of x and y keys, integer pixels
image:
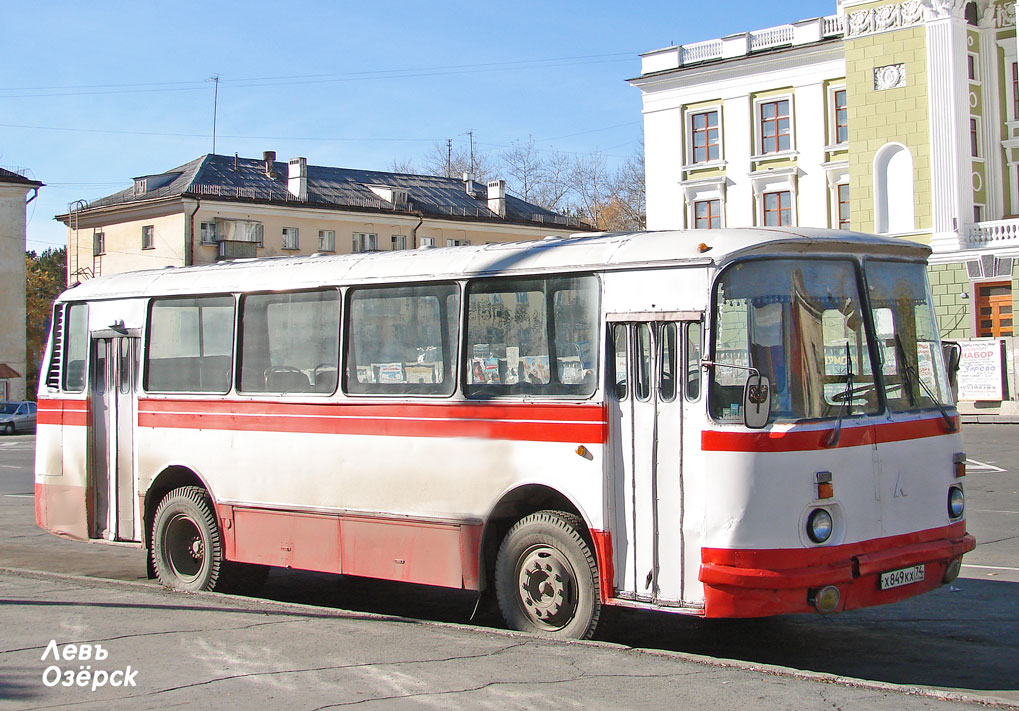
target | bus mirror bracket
[{"x": 756, "y": 400}]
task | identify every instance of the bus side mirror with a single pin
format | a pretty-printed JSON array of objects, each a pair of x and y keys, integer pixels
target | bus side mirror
[
  {"x": 953, "y": 357},
  {"x": 756, "y": 401}
]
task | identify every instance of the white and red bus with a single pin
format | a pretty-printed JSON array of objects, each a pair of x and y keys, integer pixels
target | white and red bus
[{"x": 734, "y": 423}]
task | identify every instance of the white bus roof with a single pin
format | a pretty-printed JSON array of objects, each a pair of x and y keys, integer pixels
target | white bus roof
[{"x": 583, "y": 252}]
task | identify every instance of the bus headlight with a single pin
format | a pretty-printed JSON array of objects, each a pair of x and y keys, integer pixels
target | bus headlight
[
  {"x": 956, "y": 502},
  {"x": 819, "y": 525}
]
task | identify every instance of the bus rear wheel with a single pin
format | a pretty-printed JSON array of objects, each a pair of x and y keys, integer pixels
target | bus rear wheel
[
  {"x": 187, "y": 550},
  {"x": 546, "y": 577}
]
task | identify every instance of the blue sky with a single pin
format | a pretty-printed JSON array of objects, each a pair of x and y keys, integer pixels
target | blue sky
[{"x": 93, "y": 94}]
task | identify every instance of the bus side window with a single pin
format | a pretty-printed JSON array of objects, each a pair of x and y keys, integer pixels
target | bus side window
[
  {"x": 402, "y": 340},
  {"x": 75, "y": 347},
  {"x": 190, "y": 345},
  {"x": 693, "y": 361},
  {"x": 290, "y": 342}
]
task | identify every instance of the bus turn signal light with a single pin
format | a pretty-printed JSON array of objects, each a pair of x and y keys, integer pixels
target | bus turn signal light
[
  {"x": 825, "y": 489},
  {"x": 959, "y": 464}
]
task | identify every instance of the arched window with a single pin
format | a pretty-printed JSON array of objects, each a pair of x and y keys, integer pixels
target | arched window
[
  {"x": 972, "y": 14},
  {"x": 893, "y": 190}
]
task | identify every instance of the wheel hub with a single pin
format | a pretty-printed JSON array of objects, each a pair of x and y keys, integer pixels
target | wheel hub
[{"x": 545, "y": 585}]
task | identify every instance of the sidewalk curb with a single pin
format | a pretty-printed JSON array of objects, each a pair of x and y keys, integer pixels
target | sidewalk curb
[{"x": 270, "y": 606}]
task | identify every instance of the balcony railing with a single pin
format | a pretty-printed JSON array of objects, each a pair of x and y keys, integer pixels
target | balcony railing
[{"x": 996, "y": 233}]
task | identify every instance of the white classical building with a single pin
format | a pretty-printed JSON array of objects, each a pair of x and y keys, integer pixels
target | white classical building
[{"x": 895, "y": 117}]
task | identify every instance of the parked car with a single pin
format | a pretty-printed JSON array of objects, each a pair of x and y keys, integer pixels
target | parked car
[{"x": 17, "y": 416}]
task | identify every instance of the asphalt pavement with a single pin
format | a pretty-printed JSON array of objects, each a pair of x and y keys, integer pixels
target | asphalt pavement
[{"x": 318, "y": 641}]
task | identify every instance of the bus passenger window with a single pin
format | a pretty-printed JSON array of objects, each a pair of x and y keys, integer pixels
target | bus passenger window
[
  {"x": 75, "y": 347},
  {"x": 693, "y": 361},
  {"x": 402, "y": 340},
  {"x": 190, "y": 345},
  {"x": 531, "y": 336},
  {"x": 290, "y": 342},
  {"x": 667, "y": 363}
]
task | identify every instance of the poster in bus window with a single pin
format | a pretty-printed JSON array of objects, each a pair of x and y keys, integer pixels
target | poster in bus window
[
  {"x": 391, "y": 373},
  {"x": 365, "y": 374},
  {"x": 535, "y": 369},
  {"x": 492, "y": 370},
  {"x": 512, "y": 365},
  {"x": 477, "y": 371},
  {"x": 420, "y": 372},
  {"x": 571, "y": 370}
]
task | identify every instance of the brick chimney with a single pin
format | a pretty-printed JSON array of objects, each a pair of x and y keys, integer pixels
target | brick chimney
[
  {"x": 497, "y": 197},
  {"x": 297, "y": 178}
]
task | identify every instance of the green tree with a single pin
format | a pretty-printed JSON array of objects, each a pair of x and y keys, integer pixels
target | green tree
[{"x": 45, "y": 279}]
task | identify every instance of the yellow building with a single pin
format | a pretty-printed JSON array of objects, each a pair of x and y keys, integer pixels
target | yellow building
[
  {"x": 897, "y": 118},
  {"x": 218, "y": 207}
]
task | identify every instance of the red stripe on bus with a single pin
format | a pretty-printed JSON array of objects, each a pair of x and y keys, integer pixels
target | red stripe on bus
[
  {"x": 62, "y": 412},
  {"x": 796, "y": 440},
  {"x": 538, "y": 423}
]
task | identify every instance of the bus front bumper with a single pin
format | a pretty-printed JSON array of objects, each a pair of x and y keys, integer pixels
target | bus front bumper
[{"x": 760, "y": 583}]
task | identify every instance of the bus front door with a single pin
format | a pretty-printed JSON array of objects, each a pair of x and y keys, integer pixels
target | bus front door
[
  {"x": 645, "y": 416},
  {"x": 113, "y": 407}
]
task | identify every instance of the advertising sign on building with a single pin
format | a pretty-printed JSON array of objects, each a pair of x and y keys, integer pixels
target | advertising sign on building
[{"x": 981, "y": 374}]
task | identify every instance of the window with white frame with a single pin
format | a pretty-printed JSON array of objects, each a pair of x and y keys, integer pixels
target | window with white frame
[
  {"x": 457, "y": 242},
  {"x": 208, "y": 232},
  {"x": 707, "y": 214},
  {"x": 98, "y": 243},
  {"x": 972, "y": 67},
  {"x": 705, "y": 136},
  {"x": 327, "y": 240},
  {"x": 365, "y": 242},
  {"x": 774, "y": 125},
  {"x": 290, "y": 238},
  {"x": 1015, "y": 91},
  {"x": 426, "y": 241},
  {"x": 398, "y": 242},
  {"x": 148, "y": 237},
  {"x": 974, "y": 136}
]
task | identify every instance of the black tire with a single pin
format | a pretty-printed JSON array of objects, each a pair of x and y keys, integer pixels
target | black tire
[
  {"x": 187, "y": 549},
  {"x": 546, "y": 577},
  {"x": 9, "y": 428}
]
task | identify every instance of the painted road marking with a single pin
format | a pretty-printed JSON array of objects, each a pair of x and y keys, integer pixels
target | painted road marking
[
  {"x": 973, "y": 465},
  {"x": 990, "y": 567}
]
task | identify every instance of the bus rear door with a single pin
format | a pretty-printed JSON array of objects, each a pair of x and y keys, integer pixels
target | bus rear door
[{"x": 113, "y": 406}]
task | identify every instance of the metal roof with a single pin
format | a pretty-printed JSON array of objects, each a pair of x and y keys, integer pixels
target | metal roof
[{"x": 230, "y": 178}]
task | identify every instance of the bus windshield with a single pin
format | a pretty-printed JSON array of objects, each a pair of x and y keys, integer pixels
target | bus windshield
[{"x": 801, "y": 323}]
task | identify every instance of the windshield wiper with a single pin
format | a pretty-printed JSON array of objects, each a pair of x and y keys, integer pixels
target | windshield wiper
[
  {"x": 911, "y": 372},
  {"x": 847, "y": 396}
]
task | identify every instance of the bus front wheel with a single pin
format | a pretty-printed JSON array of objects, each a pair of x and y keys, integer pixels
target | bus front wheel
[
  {"x": 187, "y": 550},
  {"x": 546, "y": 577}
]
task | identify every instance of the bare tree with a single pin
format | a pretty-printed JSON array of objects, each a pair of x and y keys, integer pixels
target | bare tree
[
  {"x": 402, "y": 165},
  {"x": 524, "y": 168},
  {"x": 453, "y": 161},
  {"x": 629, "y": 193},
  {"x": 552, "y": 191},
  {"x": 589, "y": 182}
]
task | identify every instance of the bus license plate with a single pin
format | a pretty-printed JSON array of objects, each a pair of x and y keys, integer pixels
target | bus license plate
[{"x": 902, "y": 576}]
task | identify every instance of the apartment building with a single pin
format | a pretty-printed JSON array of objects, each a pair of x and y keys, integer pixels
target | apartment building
[{"x": 219, "y": 207}]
